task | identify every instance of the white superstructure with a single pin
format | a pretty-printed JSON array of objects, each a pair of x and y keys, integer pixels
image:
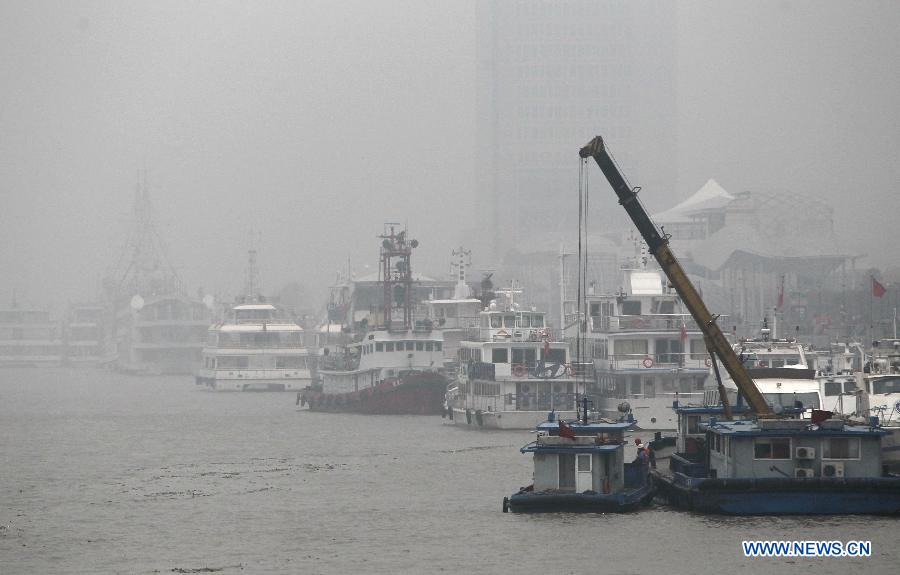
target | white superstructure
[
  {"x": 256, "y": 349},
  {"x": 645, "y": 349},
  {"x": 510, "y": 371}
]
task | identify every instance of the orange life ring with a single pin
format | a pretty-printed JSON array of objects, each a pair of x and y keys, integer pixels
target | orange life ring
[
  {"x": 648, "y": 362},
  {"x": 708, "y": 362},
  {"x": 519, "y": 370}
]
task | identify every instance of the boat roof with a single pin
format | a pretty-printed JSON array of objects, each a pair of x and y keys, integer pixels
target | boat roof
[
  {"x": 383, "y": 335},
  {"x": 791, "y": 427},
  {"x": 255, "y": 327},
  {"x": 717, "y": 409},
  {"x": 471, "y": 300},
  {"x": 570, "y": 448},
  {"x": 246, "y": 306},
  {"x": 588, "y": 429}
]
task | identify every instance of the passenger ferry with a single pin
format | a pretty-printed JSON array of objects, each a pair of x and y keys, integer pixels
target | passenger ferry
[
  {"x": 255, "y": 349},
  {"x": 646, "y": 350},
  {"x": 514, "y": 373},
  {"x": 30, "y": 338}
]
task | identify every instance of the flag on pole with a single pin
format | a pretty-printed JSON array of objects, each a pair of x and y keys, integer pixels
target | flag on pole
[
  {"x": 565, "y": 430},
  {"x": 781, "y": 295},
  {"x": 878, "y": 290},
  {"x": 683, "y": 330}
]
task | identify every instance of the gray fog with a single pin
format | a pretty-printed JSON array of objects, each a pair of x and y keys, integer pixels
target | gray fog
[{"x": 314, "y": 122}]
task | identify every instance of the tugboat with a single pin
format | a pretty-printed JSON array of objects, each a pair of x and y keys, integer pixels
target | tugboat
[
  {"x": 580, "y": 467},
  {"x": 770, "y": 464},
  {"x": 395, "y": 368}
]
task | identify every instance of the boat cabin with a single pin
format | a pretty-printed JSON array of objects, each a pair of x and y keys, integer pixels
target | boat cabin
[
  {"x": 792, "y": 448},
  {"x": 591, "y": 461}
]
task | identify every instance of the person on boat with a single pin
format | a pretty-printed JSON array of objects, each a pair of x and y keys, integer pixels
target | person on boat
[{"x": 642, "y": 456}]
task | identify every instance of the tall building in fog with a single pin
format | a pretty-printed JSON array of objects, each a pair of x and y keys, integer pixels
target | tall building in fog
[{"x": 551, "y": 75}]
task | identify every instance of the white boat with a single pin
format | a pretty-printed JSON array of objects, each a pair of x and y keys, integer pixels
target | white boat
[
  {"x": 513, "y": 374},
  {"x": 157, "y": 327},
  {"x": 880, "y": 382},
  {"x": 30, "y": 338},
  {"x": 256, "y": 349},
  {"x": 646, "y": 351},
  {"x": 394, "y": 368},
  {"x": 86, "y": 341}
]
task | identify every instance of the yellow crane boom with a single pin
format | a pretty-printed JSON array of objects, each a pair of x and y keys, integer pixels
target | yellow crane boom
[{"x": 658, "y": 245}]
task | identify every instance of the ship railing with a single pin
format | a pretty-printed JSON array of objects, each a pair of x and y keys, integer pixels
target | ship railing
[
  {"x": 273, "y": 345},
  {"x": 645, "y": 322},
  {"x": 276, "y": 372},
  {"x": 673, "y": 361}
]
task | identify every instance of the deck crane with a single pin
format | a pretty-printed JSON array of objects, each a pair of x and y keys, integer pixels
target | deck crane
[{"x": 658, "y": 244}]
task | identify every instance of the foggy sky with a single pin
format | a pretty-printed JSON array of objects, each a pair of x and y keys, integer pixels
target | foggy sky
[{"x": 314, "y": 122}]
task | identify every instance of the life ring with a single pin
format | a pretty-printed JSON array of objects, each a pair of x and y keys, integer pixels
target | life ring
[
  {"x": 519, "y": 370},
  {"x": 648, "y": 362},
  {"x": 708, "y": 362}
]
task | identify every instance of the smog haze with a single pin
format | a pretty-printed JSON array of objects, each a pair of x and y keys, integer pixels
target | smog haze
[{"x": 312, "y": 123}]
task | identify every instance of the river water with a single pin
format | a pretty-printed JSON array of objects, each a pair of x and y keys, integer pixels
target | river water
[{"x": 106, "y": 473}]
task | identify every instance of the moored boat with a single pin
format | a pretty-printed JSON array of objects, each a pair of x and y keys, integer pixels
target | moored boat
[
  {"x": 580, "y": 467},
  {"x": 394, "y": 368},
  {"x": 782, "y": 466}
]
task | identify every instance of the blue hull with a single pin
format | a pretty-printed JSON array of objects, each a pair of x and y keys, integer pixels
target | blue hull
[
  {"x": 875, "y": 496},
  {"x": 551, "y": 502}
]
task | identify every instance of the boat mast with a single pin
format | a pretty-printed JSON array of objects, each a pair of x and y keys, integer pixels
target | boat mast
[{"x": 396, "y": 273}]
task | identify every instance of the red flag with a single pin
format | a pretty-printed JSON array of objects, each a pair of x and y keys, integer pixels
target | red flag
[
  {"x": 878, "y": 290},
  {"x": 546, "y": 348},
  {"x": 565, "y": 430},
  {"x": 683, "y": 331},
  {"x": 781, "y": 294}
]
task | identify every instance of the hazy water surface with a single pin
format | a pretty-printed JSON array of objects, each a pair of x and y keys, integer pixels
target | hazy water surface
[{"x": 105, "y": 473}]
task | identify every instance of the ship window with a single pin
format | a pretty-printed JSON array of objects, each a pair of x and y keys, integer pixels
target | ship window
[
  {"x": 840, "y": 448},
  {"x": 437, "y": 346},
  {"x": 631, "y": 308},
  {"x": 555, "y": 356},
  {"x": 537, "y": 320},
  {"x": 849, "y": 387},
  {"x": 584, "y": 462},
  {"x": 832, "y": 388},
  {"x": 290, "y": 362},
  {"x": 667, "y": 307},
  {"x": 233, "y": 362},
  {"x": 379, "y": 346},
  {"x": 595, "y": 309},
  {"x": 630, "y": 347},
  {"x": 388, "y": 346},
  {"x": 698, "y": 349},
  {"x": 693, "y": 424},
  {"x": 509, "y": 321},
  {"x": 429, "y": 346},
  {"x": 772, "y": 448},
  {"x": 496, "y": 320},
  {"x": 420, "y": 346},
  {"x": 499, "y": 355},
  {"x": 886, "y": 385}
]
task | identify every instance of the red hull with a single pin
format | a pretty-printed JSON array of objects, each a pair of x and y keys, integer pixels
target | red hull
[{"x": 421, "y": 394}]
